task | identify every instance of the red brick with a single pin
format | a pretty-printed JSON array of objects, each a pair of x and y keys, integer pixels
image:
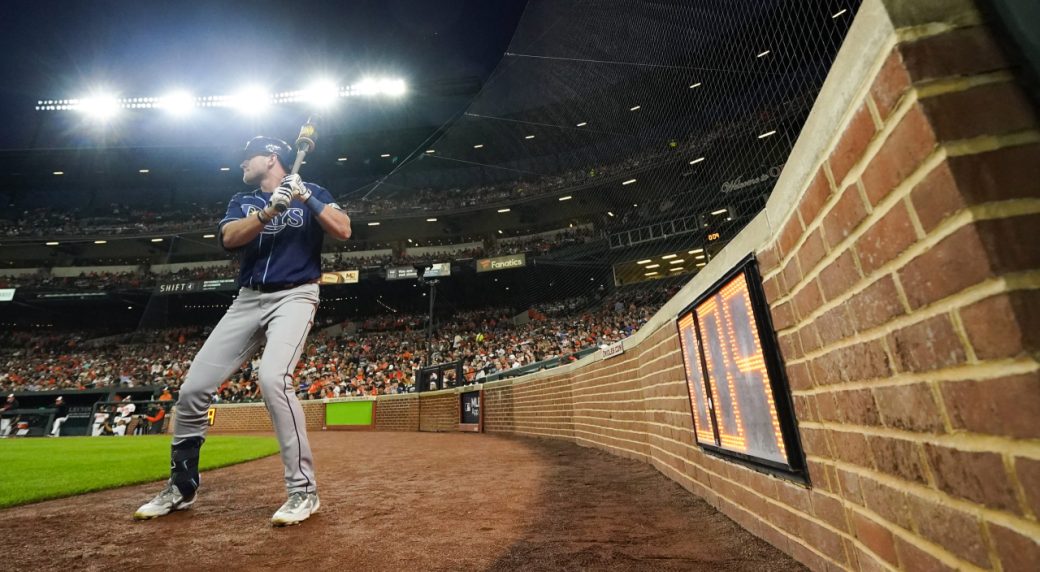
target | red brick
[
  {"x": 815, "y": 442},
  {"x": 1028, "y": 472},
  {"x": 851, "y": 447},
  {"x": 1008, "y": 406},
  {"x": 815, "y": 197},
  {"x": 906, "y": 147},
  {"x": 850, "y": 487},
  {"x": 910, "y": 407},
  {"x": 957, "y": 115},
  {"x": 818, "y": 475},
  {"x": 957, "y": 531},
  {"x": 977, "y": 476},
  {"x": 1006, "y": 173},
  {"x": 789, "y": 236},
  {"x": 888, "y": 238},
  {"x": 877, "y": 304},
  {"x": 853, "y": 143},
  {"x": 853, "y": 363},
  {"x": 811, "y": 252},
  {"x": 810, "y": 340},
  {"x": 899, "y": 458},
  {"x": 810, "y": 559},
  {"x": 913, "y": 558},
  {"x": 798, "y": 377},
  {"x": 889, "y": 503},
  {"x": 890, "y": 85},
  {"x": 858, "y": 407},
  {"x": 830, "y": 510},
  {"x": 804, "y": 407},
  {"x": 794, "y": 496},
  {"x": 937, "y": 197},
  {"x": 808, "y": 299},
  {"x": 835, "y": 324},
  {"x": 768, "y": 259},
  {"x": 955, "y": 263},
  {"x": 846, "y": 215},
  {"x": 783, "y": 316},
  {"x": 823, "y": 540},
  {"x": 1011, "y": 242},
  {"x": 1003, "y": 326},
  {"x": 1015, "y": 551},
  {"x": 791, "y": 275},
  {"x": 965, "y": 51},
  {"x": 827, "y": 407},
  {"x": 790, "y": 348},
  {"x": 839, "y": 276},
  {"x": 875, "y": 537},
  {"x": 928, "y": 345}
]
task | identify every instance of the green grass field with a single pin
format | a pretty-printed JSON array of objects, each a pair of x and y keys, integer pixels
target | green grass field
[{"x": 33, "y": 470}]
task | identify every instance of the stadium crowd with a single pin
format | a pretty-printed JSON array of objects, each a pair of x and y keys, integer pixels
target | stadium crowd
[
  {"x": 143, "y": 279},
  {"x": 382, "y": 355}
]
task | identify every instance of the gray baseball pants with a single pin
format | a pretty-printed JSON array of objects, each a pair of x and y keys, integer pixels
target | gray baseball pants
[{"x": 283, "y": 319}]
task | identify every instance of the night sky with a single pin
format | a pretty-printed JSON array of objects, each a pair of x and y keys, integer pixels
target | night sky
[{"x": 53, "y": 49}]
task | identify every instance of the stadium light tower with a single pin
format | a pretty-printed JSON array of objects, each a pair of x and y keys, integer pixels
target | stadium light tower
[
  {"x": 178, "y": 103},
  {"x": 100, "y": 107}
]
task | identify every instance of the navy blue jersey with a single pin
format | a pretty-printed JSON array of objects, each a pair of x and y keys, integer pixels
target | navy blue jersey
[{"x": 288, "y": 250}]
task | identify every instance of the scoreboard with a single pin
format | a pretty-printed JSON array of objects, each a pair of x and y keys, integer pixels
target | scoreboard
[{"x": 738, "y": 392}]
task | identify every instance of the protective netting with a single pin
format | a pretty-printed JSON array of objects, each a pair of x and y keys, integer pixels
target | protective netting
[{"x": 665, "y": 123}]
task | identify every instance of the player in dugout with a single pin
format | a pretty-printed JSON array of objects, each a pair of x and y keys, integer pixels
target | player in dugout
[{"x": 277, "y": 230}]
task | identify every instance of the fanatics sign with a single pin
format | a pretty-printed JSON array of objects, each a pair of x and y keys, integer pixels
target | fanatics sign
[{"x": 502, "y": 262}]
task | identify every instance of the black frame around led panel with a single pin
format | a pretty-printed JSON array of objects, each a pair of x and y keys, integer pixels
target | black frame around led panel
[{"x": 796, "y": 468}]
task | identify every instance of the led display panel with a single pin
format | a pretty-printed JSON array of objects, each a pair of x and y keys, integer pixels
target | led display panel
[{"x": 738, "y": 394}]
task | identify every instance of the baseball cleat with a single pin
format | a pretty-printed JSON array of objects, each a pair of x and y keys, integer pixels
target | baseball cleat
[
  {"x": 169, "y": 500},
  {"x": 297, "y": 509}
]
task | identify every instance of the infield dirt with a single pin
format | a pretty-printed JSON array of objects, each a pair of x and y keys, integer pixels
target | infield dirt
[{"x": 404, "y": 501}]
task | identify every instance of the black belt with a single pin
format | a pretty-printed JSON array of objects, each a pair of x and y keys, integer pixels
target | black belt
[{"x": 268, "y": 288}]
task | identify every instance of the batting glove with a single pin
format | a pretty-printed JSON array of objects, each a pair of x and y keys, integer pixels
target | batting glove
[
  {"x": 281, "y": 198},
  {"x": 295, "y": 184}
]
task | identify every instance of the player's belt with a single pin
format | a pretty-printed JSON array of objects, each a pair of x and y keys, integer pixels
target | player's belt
[{"x": 268, "y": 288}]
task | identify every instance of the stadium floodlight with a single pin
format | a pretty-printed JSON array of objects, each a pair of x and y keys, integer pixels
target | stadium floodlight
[
  {"x": 698, "y": 84},
  {"x": 840, "y": 12},
  {"x": 58, "y": 173},
  {"x": 652, "y": 273},
  {"x": 143, "y": 171},
  {"x": 373, "y": 224},
  {"x": 647, "y": 261},
  {"x": 529, "y": 137},
  {"x": 100, "y": 242},
  {"x": 323, "y": 93},
  {"x": 433, "y": 219},
  {"x": 157, "y": 240},
  {"x": 178, "y": 103},
  {"x": 503, "y": 210},
  {"x": 479, "y": 146},
  {"x": 697, "y": 160},
  {"x": 628, "y": 182},
  {"x": 52, "y": 243},
  {"x": 225, "y": 168},
  {"x": 582, "y": 124},
  {"x": 763, "y": 54},
  {"x": 676, "y": 261},
  {"x": 764, "y": 135},
  {"x": 385, "y": 155},
  {"x": 252, "y": 100},
  {"x": 635, "y": 108},
  {"x": 566, "y": 198},
  {"x": 100, "y": 107},
  {"x": 610, "y": 213},
  {"x": 648, "y": 266},
  {"x": 718, "y": 212},
  {"x": 667, "y": 256},
  {"x": 379, "y": 86},
  {"x": 430, "y": 151},
  {"x": 341, "y": 159},
  {"x": 696, "y": 250}
]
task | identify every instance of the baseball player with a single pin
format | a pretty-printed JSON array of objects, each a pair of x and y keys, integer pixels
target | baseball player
[
  {"x": 61, "y": 415},
  {"x": 277, "y": 230}
]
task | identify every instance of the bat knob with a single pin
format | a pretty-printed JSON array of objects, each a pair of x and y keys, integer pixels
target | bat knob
[{"x": 279, "y": 207}]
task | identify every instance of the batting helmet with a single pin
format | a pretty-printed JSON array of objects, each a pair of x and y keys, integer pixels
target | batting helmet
[{"x": 269, "y": 146}]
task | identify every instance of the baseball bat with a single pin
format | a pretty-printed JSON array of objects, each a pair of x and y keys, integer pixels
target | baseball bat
[{"x": 304, "y": 144}]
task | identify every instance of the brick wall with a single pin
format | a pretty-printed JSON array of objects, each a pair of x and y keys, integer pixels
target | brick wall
[
  {"x": 438, "y": 411},
  {"x": 397, "y": 413},
  {"x": 238, "y": 417},
  {"x": 900, "y": 262}
]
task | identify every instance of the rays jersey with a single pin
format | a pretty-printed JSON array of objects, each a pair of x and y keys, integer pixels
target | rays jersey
[{"x": 288, "y": 250}]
